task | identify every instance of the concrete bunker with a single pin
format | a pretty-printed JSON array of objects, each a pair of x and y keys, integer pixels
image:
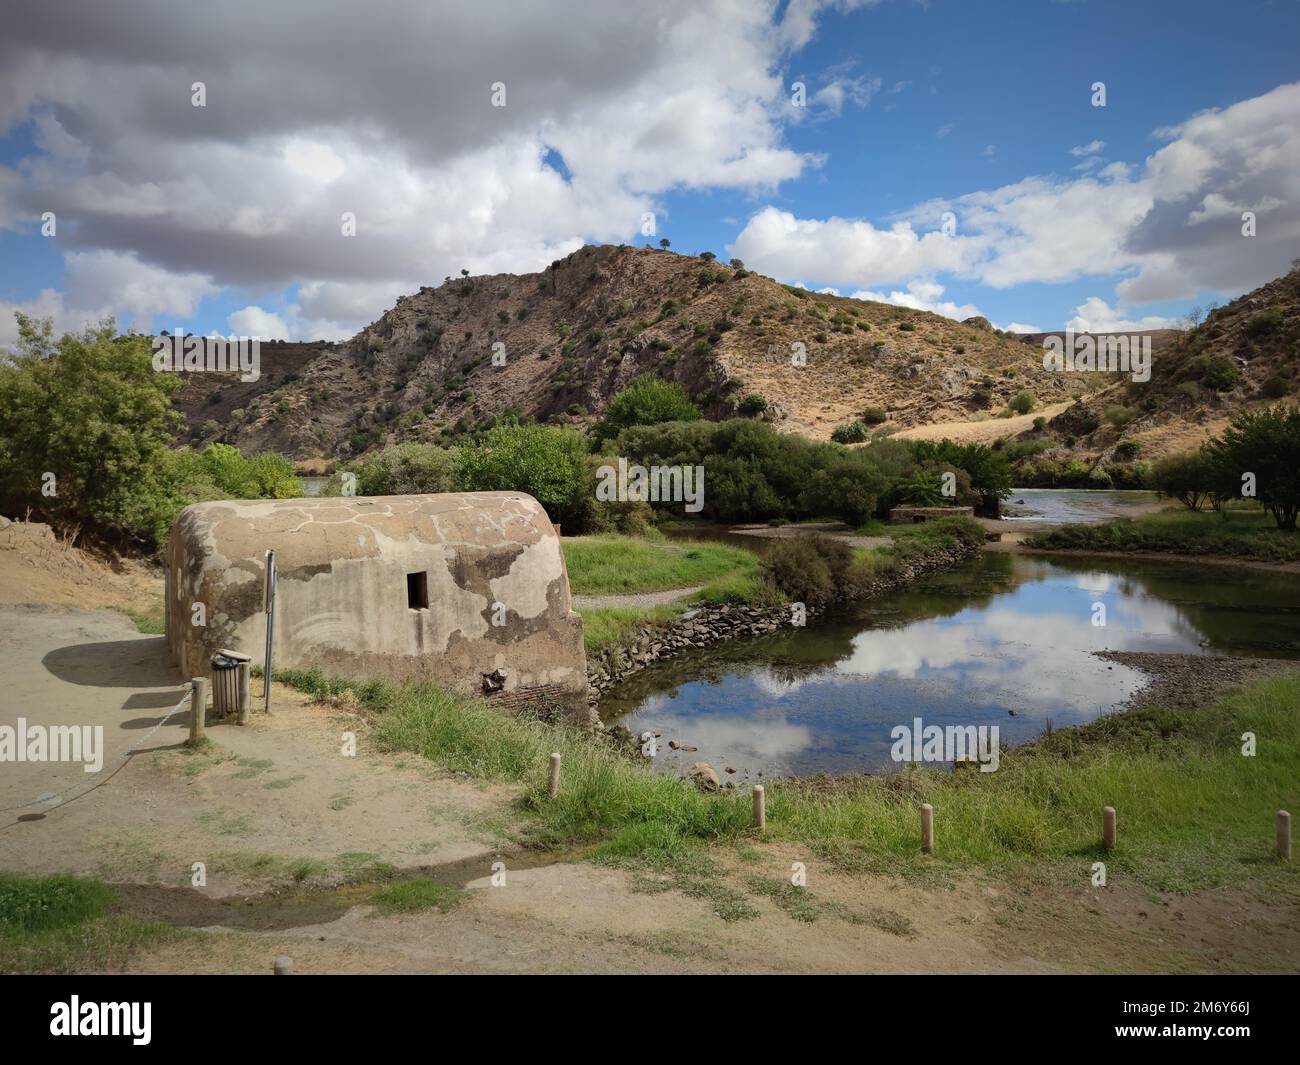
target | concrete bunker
[{"x": 465, "y": 590}]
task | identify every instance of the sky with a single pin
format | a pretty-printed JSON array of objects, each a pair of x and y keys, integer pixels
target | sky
[{"x": 944, "y": 155}]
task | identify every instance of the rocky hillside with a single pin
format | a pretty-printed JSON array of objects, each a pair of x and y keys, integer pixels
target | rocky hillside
[
  {"x": 1242, "y": 356},
  {"x": 558, "y": 344}
]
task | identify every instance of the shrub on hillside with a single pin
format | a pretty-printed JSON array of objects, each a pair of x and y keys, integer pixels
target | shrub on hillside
[
  {"x": 648, "y": 400},
  {"x": 852, "y": 433},
  {"x": 1023, "y": 401}
]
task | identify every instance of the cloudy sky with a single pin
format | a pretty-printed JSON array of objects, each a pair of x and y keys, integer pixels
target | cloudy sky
[{"x": 228, "y": 216}]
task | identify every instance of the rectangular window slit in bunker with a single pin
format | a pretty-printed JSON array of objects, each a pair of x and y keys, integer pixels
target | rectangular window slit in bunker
[{"x": 417, "y": 591}]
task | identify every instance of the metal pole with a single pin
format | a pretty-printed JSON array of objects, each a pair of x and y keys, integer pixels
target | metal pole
[{"x": 268, "y": 605}]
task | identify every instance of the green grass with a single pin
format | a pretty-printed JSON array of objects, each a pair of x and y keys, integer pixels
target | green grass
[
  {"x": 1237, "y": 532},
  {"x": 611, "y": 564},
  {"x": 1193, "y": 812},
  {"x": 64, "y": 924},
  {"x": 152, "y": 624},
  {"x": 612, "y": 626},
  {"x": 622, "y": 565},
  {"x": 411, "y": 896}
]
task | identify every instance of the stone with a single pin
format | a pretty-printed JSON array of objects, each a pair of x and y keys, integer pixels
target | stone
[{"x": 705, "y": 777}]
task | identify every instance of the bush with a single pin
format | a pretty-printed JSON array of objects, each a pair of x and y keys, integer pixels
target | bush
[
  {"x": 1275, "y": 387},
  {"x": 852, "y": 433},
  {"x": 91, "y": 410},
  {"x": 813, "y": 570},
  {"x": 549, "y": 464},
  {"x": 1120, "y": 416},
  {"x": 1220, "y": 374},
  {"x": 1023, "y": 402},
  {"x": 873, "y": 416},
  {"x": 753, "y": 404},
  {"x": 646, "y": 401},
  {"x": 406, "y": 469},
  {"x": 1184, "y": 477}
]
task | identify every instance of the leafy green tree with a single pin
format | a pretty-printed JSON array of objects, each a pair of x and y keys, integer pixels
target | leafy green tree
[
  {"x": 647, "y": 400},
  {"x": 1184, "y": 477},
  {"x": 550, "y": 464},
  {"x": 1263, "y": 446},
  {"x": 989, "y": 470},
  {"x": 407, "y": 469},
  {"x": 91, "y": 410}
]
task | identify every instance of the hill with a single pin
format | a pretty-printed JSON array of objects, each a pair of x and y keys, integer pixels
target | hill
[{"x": 568, "y": 338}]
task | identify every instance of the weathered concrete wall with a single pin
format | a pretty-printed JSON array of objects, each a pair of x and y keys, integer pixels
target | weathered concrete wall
[{"x": 341, "y": 602}]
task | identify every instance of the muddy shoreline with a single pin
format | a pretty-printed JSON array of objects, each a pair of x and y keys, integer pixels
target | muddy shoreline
[{"x": 1188, "y": 682}]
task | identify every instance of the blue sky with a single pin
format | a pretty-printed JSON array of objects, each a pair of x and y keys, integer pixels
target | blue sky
[{"x": 225, "y": 218}]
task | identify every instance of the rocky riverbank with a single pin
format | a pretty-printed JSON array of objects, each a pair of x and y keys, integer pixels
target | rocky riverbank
[
  {"x": 1180, "y": 681},
  {"x": 710, "y": 624}
]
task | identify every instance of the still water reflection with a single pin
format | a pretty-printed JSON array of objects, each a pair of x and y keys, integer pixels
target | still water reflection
[{"x": 1001, "y": 633}]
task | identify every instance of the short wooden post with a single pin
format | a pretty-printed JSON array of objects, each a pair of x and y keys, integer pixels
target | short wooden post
[
  {"x": 760, "y": 808},
  {"x": 282, "y": 966},
  {"x": 1108, "y": 827},
  {"x": 198, "y": 707},
  {"x": 245, "y": 695},
  {"x": 553, "y": 787},
  {"x": 1284, "y": 835},
  {"x": 927, "y": 828}
]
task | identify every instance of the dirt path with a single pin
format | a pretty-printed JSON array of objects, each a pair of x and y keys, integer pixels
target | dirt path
[
  {"x": 836, "y": 529},
  {"x": 981, "y": 432},
  {"x": 571, "y": 918},
  {"x": 635, "y": 599},
  {"x": 271, "y": 801}
]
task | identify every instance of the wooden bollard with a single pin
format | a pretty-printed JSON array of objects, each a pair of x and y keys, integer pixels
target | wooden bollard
[
  {"x": 198, "y": 707},
  {"x": 245, "y": 693},
  {"x": 760, "y": 808},
  {"x": 282, "y": 966},
  {"x": 1284, "y": 835},
  {"x": 1108, "y": 827},
  {"x": 927, "y": 828},
  {"x": 553, "y": 786}
]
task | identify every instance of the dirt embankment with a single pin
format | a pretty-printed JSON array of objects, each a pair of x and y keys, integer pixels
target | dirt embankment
[{"x": 38, "y": 567}]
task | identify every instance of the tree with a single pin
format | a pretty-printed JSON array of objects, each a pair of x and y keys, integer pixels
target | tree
[
  {"x": 1184, "y": 477},
  {"x": 1263, "y": 446},
  {"x": 707, "y": 256},
  {"x": 85, "y": 424},
  {"x": 646, "y": 401},
  {"x": 549, "y": 464},
  {"x": 989, "y": 470},
  {"x": 407, "y": 469},
  {"x": 737, "y": 264},
  {"x": 665, "y": 243}
]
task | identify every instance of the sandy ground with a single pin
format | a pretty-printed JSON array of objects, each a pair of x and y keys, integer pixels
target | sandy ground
[
  {"x": 275, "y": 801},
  {"x": 634, "y": 599},
  {"x": 837, "y": 529},
  {"x": 981, "y": 432},
  {"x": 260, "y": 798}
]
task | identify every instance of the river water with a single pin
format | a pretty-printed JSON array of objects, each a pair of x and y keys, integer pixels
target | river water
[{"x": 1001, "y": 633}]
